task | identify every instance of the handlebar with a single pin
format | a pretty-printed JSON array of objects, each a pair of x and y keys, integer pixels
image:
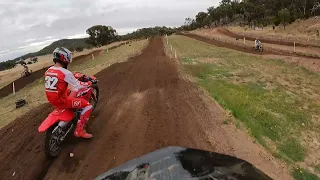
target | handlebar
[
  {"x": 93, "y": 81},
  {"x": 84, "y": 78}
]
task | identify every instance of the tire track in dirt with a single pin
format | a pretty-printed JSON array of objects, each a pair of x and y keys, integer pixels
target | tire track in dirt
[
  {"x": 21, "y": 150},
  {"x": 242, "y": 48},
  {"x": 145, "y": 105},
  {"x": 229, "y": 33}
]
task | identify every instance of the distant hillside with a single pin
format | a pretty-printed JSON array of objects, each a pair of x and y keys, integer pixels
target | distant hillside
[
  {"x": 71, "y": 44},
  {"x": 304, "y": 26},
  {"x": 74, "y": 44}
]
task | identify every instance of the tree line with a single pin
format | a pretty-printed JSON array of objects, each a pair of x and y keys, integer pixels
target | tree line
[
  {"x": 149, "y": 32},
  {"x": 254, "y": 13},
  {"x": 99, "y": 35},
  {"x": 248, "y": 12},
  {"x": 102, "y": 35}
]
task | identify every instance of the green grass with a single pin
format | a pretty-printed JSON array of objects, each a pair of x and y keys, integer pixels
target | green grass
[
  {"x": 293, "y": 149},
  {"x": 317, "y": 168},
  {"x": 187, "y": 60},
  {"x": 302, "y": 174},
  {"x": 250, "y": 102},
  {"x": 266, "y": 113},
  {"x": 246, "y": 102},
  {"x": 202, "y": 70},
  {"x": 272, "y": 98}
]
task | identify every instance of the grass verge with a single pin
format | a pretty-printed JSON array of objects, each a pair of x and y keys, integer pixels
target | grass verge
[
  {"x": 277, "y": 102},
  {"x": 302, "y": 174}
]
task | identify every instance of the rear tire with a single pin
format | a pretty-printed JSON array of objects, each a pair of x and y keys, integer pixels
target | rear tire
[
  {"x": 93, "y": 102},
  {"x": 52, "y": 145}
]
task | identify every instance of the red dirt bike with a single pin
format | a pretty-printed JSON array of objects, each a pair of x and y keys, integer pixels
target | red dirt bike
[
  {"x": 258, "y": 48},
  {"x": 62, "y": 122},
  {"x": 25, "y": 73}
]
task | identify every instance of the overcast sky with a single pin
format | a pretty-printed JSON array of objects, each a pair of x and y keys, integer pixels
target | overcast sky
[{"x": 29, "y": 25}]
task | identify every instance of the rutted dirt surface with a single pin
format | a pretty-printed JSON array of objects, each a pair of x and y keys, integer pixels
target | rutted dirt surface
[
  {"x": 229, "y": 33},
  {"x": 243, "y": 48},
  {"x": 145, "y": 105}
]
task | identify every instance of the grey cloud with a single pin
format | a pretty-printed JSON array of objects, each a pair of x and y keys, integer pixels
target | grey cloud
[{"x": 34, "y": 20}]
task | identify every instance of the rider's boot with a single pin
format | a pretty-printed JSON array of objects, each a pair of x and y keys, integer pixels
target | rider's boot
[{"x": 80, "y": 129}]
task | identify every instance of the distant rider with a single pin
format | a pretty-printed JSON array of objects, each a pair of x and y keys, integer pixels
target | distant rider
[
  {"x": 257, "y": 43},
  {"x": 26, "y": 69},
  {"x": 57, "y": 78}
]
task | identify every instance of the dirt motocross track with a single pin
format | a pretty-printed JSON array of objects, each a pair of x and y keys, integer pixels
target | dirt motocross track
[{"x": 145, "y": 105}]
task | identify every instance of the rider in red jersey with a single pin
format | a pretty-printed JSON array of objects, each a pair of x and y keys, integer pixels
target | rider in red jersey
[{"x": 57, "y": 79}]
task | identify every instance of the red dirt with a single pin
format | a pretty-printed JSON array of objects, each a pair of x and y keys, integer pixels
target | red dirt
[
  {"x": 242, "y": 48},
  {"x": 229, "y": 33},
  {"x": 145, "y": 105}
]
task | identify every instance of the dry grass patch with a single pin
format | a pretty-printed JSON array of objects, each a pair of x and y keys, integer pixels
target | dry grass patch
[
  {"x": 249, "y": 44},
  {"x": 303, "y": 31}
]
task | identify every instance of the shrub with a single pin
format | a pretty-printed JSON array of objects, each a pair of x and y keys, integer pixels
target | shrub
[{"x": 79, "y": 48}]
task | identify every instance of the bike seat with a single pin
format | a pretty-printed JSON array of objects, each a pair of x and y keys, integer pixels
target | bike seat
[
  {"x": 62, "y": 114},
  {"x": 59, "y": 112}
]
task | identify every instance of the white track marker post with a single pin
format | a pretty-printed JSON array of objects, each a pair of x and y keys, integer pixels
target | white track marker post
[
  {"x": 294, "y": 47},
  {"x": 171, "y": 47},
  {"x": 13, "y": 89},
  {"x": 92, "y": 56},
  {"x": 167, "y": 39},
  {"x": 244, "y": 40},
  {"x": 107, "y": 49},
  {"x": 175, "y": 54}
]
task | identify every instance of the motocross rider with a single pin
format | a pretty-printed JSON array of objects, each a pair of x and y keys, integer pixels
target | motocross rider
[
  {"x": 257, "y": 43},
  {"x": 26, "y": 69},
  {"x": 57, "y": 78}
]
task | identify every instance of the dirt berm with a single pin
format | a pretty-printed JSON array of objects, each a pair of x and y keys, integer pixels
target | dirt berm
[
  {"x": 145, "y": 105},
  {"x": 229, "y": 33}
]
